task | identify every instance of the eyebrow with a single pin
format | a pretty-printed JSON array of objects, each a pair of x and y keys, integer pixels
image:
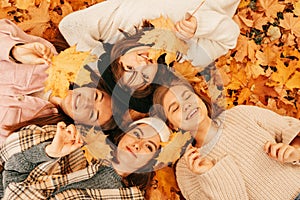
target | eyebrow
[{"x": 149, "y": 140}]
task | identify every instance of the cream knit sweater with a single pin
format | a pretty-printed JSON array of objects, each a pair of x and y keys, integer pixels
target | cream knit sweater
[
  {"x": 216, "y": 32},
  {"x": 243, "y": 170}
]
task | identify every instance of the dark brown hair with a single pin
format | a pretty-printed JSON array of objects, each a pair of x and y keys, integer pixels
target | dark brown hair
[
  {"x": 54, "y": 118},
  {"x": 143, "y": 176}
]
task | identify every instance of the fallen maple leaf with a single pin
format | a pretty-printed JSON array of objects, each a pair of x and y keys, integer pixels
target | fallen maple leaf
[
  {"x": 271, "y": 7},
  {"x": 4, "y": 3},
  {"x": 96, "y": 145},
  {"x": 175, "y": 147},
  {"x": 294, "y": 81},
  {"x": 39, "y": 19},
  {"x": 24, "y": 4},
  {"x": 67, "y": 67},
  {"x": 291, "y": 23}
]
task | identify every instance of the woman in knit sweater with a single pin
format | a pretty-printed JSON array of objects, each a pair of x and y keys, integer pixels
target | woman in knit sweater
[
  {"x": 49, "y": 164},
  {"x": 214, "y": 34},
  {"x": 236, "y": 153},
  {"x": 24, "y": 60}
]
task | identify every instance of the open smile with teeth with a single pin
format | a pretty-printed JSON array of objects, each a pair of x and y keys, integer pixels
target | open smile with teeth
[{"x": 192, "y": 113}]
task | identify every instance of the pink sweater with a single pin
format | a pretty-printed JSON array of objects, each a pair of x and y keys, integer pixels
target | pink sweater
[
  {"x": 243, "y": 170},
  {"x": 19, "y": 81}
]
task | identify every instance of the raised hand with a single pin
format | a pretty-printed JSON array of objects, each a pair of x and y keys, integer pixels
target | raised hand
[
  {"x": 32, "y": 53},
  {"x": 65, "y": 141},
  {"x": 194, "y": 161},
  {"x": 186, "y": 28},
  {"x": 282, "y": 152}
]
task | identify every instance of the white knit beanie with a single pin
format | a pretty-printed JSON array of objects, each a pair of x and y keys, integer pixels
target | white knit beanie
[{"x": 159, "y": 125}]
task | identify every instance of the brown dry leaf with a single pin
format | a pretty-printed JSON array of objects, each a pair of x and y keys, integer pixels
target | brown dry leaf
[
  {"x": 164, "y": 185},
  {"x": 59, "y": 12},
  {"x": 96, "y": 146},
  {"x": 64, "y": 70},
  {"x": 291, "y": 23},
  {"x": 259, "y": 87},
  {"x": 174, "y": 148},
  {"x": 39, "y": 19},
  {"x": 271, "y": 7}
]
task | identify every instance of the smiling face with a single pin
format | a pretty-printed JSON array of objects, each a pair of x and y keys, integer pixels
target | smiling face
[
  {"x": 137, "y": 147},
  {"x": 88, "y": 106},
  {"x": 139, "y": 69},
  {"x": 183, "y": 108}
]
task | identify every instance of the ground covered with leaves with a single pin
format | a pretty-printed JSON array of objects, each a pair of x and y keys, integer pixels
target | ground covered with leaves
[{"x": 263, "y": 69}]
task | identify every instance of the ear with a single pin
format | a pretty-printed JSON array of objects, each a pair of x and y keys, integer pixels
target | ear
[{"x": 174, "y": 128}]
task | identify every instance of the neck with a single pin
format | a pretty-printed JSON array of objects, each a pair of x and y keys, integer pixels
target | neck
[
  {"x": 206, "y": 131},
  {"x": 121, "y": 170}
]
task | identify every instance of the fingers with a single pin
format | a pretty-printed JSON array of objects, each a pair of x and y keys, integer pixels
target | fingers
[
  {"x": 279, "y": 151},
  {"x": 43, "y": 52},
  {"x": 185, "y": 29},
  {"x": 194, "y": 161}
]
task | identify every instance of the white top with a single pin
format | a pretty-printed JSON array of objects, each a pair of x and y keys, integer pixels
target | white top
[{"x": 216, "y": 31}]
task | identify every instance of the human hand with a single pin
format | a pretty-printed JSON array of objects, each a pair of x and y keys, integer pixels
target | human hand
[
  {"x": 282, "y": 152},
  {"x": 194, "y": 161},
  {"x": 186, "y": 28},
  {"x": 32, "y": 53},
  {"x": 65, "y": 141}
]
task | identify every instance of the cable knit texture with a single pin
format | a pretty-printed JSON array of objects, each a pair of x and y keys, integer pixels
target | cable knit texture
[{"x": 243, "y": 170}]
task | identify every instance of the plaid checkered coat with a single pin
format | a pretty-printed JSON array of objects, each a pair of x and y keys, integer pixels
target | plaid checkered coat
[{"x": 48, "y": 177}]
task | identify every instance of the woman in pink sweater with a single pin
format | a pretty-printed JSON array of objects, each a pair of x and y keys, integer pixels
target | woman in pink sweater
[
  {"x": 236, "y": 153},
  {"x": 23, "y": 61}
]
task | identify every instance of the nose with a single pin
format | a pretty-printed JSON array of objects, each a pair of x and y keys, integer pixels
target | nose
[
  {"x": 136, "y": 146},
  {"x": 186, "y": 106}
]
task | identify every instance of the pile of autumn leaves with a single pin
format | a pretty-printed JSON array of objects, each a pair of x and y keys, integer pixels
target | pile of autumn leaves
[{"x": 264, "y": 68}]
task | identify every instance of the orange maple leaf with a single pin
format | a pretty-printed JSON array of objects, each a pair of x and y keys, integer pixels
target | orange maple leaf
[
  {"x": 291, "y": 23},
  {"x": 271, "y": 7},
  {"x": 267, "y": 55},
  {"x": 294, "y": 81}
]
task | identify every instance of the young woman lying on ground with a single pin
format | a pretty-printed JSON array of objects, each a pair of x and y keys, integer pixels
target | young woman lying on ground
[
  {"x": 44, "y": 162},
  {"x": 24, "y": 61},
  {"x": 236, "y": 153}
]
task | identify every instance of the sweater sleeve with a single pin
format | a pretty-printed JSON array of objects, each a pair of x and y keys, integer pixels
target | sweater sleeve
[
  {"x": 282, "y": 128},
  {"x": 216, "y": 33},
  {"x": 18, "y": 167},
  {"x": 85, "y": 28},
  {"x": 223, "y": 181}
]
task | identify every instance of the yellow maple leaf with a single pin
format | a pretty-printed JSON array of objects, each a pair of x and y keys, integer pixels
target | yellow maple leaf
[
  {"x": 4, "y": 3},
  {"x": 267, "y": 56},
  {"x": 24, "y": 4},
  {"x": 97, "y": 146},
  {"x": 294, "y": 81},
  {"x": 164, "y": 39},
  {"x": 297, "y": 8},
  {"x": 175, "y": 148},
  {"x": 163, "y": 23},
  {"x": 67, "y": 67},
  {"x": 283, "y": 73}
]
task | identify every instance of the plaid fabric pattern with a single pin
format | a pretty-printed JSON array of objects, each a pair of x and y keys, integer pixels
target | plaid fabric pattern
[{"x": 49, "y": 176}]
